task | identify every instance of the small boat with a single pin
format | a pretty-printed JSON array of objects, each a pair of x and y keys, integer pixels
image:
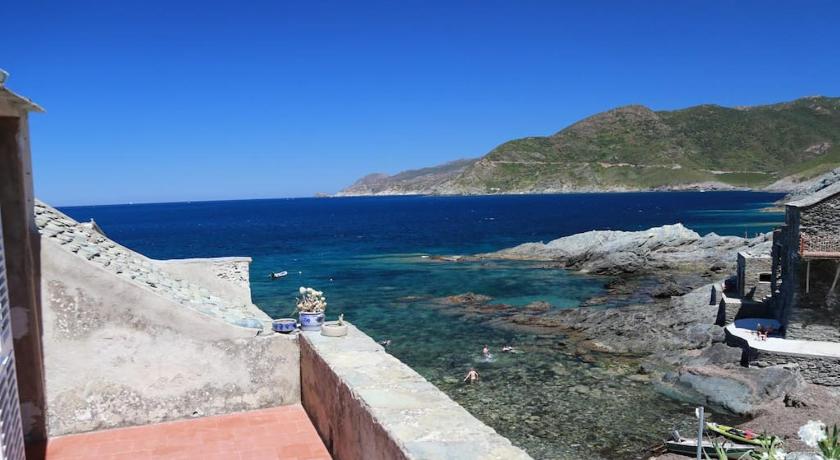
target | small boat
[
  {"x": 277, "y": 275},
  {"x": 738, "y": 435},
  {"x": 688, "y": 446}
]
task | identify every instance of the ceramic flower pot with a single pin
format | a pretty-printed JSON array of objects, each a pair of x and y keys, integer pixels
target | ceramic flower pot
[
  {"x": 333, "y": 329},
  {"x": 311, "y": 321},
  {"x": 284, "y": 325}
]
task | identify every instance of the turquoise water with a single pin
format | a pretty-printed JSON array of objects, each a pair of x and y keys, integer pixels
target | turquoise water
[{"x": 367, "y": 254}]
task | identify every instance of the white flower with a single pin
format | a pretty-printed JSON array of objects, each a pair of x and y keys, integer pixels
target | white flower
[{"x": 812, "y": 433}]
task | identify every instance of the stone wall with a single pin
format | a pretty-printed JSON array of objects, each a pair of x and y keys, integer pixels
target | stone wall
[
  {"x": 818, "y": 370},
  {"x": 821, "y": 371},
  {"x": 750, "y": 270},
  {"x": 367, "y": 404},
  {"x": 787, "y": 266},
  {"x": 730, "y": 309},
  {"x": 821, "y": 218},
  {"x": 120, "y": 353}
]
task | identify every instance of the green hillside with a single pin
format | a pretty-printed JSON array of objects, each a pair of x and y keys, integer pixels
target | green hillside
[{"x": 636, "y": 148}]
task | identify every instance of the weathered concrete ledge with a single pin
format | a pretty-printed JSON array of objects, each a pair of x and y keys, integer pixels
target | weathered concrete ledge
[
  {"x": 818, "y": 362},
  {"x": 367, "y": 404}
]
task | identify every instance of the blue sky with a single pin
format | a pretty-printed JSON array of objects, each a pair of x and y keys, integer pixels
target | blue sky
[{"x": 197, "y": 100}]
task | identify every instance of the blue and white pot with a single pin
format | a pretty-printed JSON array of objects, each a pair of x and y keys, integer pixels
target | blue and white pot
[
  {"x": 311, "y": 321},
  {"x": 284, "y": 325}
]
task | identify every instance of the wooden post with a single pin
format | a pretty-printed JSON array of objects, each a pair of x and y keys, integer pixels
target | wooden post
[
  {"x": 836, "y": 275},
  {"x": 808, "y": 277}
]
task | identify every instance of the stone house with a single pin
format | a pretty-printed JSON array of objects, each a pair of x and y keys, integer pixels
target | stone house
[{"x": 806, "y": 260}]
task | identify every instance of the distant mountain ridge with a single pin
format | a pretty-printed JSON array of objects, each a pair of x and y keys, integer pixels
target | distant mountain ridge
[{"x": 772, "y": 146}]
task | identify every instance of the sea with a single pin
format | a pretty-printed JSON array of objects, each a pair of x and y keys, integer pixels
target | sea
[{"x": 373, "y": 258}]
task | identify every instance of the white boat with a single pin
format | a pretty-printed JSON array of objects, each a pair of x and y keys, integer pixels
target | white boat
[{"x": 277, "y": 275}]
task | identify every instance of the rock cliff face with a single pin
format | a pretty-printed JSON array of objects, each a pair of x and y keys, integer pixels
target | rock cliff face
[{"x": 613, "y": 252}]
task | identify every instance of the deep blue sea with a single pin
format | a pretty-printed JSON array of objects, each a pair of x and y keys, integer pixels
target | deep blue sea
[{"x": 367, "y": 255}]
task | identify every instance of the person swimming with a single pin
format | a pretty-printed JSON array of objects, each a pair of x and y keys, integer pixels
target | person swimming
[
  {"x": 485, "y": 351},
  {"x": 472, "y": 376},
  {"x": 507, "y": 348}
]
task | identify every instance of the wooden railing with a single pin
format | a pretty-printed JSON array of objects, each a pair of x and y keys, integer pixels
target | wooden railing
[{"x": 825, "y": 246}]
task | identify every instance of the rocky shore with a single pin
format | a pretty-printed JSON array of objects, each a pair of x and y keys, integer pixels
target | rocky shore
[{"x": 662, "y": 282}]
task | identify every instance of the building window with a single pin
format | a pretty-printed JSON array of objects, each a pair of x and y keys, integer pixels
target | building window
[{"x": 764, "y": 277}]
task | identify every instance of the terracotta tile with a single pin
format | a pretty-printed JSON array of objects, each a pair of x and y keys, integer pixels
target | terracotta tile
[{"x": 277, "y": 433}]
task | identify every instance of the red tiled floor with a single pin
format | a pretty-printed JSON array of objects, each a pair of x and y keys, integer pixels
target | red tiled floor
[{"x": 280, "y": 433}]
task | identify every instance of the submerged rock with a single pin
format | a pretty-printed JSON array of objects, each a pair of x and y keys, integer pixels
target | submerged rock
[{"x": 469, "y": 298}]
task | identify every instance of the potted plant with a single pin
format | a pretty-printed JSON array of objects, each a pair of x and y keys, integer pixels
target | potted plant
[
  {"x": 335, "y": 328},
  {"x": 311, "y": 305}
]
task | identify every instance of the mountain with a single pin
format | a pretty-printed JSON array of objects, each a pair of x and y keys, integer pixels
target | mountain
[{"x": 636, "y": 148}]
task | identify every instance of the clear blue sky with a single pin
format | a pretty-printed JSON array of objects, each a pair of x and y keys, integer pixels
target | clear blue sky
[{"x": 194, "y": 100}]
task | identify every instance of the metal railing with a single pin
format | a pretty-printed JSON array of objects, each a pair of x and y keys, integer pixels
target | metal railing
[{"x": 819, "y": 246}]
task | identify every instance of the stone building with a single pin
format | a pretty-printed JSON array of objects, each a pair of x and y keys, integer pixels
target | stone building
[{"x": 806, "y": 261}]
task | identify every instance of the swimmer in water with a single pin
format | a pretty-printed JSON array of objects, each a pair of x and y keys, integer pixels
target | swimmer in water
[
  {"x": 485, "y": 351},
  {"x": 507, "y": 348},
  {"x": 472, "y": 376}
]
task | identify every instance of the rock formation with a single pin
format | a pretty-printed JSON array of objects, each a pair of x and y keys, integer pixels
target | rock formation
[{"x": 614, "y": 252}]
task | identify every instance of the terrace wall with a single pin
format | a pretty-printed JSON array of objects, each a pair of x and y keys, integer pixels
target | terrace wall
[{"x": 367, "y": 404}]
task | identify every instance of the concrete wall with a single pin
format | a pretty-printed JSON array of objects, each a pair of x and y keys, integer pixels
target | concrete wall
[
  {"x": 366, "y": 404},
  {"x": 22, "y": 265},
  {"x": 226, "y": 277},
  {"x": 119, "y": 354}
]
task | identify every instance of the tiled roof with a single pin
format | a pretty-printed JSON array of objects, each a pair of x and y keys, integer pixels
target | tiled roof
[{"x": 817, "y": 197}]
